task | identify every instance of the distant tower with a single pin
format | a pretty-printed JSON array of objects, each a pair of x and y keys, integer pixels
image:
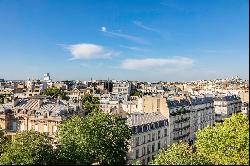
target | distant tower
[
  {"x": 46, "y": 77},
  {"x": 108, "y": 84}
]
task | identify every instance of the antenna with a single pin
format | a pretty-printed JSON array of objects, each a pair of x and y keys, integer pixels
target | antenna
[{"x": 108, "y": 84}]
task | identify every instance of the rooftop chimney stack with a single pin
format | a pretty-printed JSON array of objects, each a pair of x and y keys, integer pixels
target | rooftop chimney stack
[{"x": 15, "y": 101}]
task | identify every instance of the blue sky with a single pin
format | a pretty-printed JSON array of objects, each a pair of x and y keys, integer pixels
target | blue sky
[{"x": 147, "y": 40}]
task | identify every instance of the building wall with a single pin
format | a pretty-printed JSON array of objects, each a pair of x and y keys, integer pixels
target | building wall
[
  {"x": 179, "y": 125},
  {"x": 141, "y": 145},
  {"x": 225, "y": 109},
  {"x": 154, "y": 104},
  {"x": 12, "y": 124},
  {"x": 201, "y": 116}
]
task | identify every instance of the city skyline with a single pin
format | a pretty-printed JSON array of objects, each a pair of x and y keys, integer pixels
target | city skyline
[{"x": 125, "y": 40}]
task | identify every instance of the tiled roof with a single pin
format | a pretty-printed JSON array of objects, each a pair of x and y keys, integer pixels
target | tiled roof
[
  {"x": 144, "y": 118},
  {"x": 178, "y": 103},
  {"x": 49, "y": 106},
  {"x": 226, "y": 98}
]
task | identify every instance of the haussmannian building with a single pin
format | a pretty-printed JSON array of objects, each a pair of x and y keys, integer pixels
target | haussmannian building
[
  {"x": 149, "y": 134},
  {"x": 225, "y": 106},
  {"x": 41, "y": 114}
]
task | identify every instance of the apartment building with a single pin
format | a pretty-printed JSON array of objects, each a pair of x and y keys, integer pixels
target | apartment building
[
  {"x": 202, "y": 114},
  {"x": 35, "y": 87},
  {"x": 133, "y": 106},
  {"x": 7, "y": 90},
  {"x": 179, "y": 119},
  {"x": 152, "y": 88},
  {"x": 38, "y": 113},
  {"x": 149, "y": 135},
  {"x": 245, "y": 108},
  {"x": 76, "y": 93},
  {"x": 225, "y": 106},
  {"x": 121, "y": 88}
]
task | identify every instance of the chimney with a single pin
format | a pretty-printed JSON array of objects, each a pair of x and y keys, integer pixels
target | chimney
[
  {"x": 40, "y": 102},
  {"x": 58, "y": 100},
  {"x": 5, "y": 100},
  {"x": 15, "y": 101}
]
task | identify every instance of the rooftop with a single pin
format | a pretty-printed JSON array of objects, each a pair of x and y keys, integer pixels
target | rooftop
[{"x": 137, "y": 119}]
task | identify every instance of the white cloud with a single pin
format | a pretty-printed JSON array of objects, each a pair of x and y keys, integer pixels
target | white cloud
[
  {"x": 103, "y": 29},
  {"x": 124, "y": 36},
  {"x": 89, "y": 51},
  {"x": 138, "y": 64}
]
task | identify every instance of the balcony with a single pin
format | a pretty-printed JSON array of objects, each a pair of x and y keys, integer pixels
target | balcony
[
  {"x": 182, "y": 120},
  {"x": 180, "y": 137},
  {"x": 180, "y": 111},
  {"x": 182, "y": 128}
]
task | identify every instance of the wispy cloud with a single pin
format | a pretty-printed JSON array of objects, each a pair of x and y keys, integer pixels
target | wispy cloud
[
  {"x": 133, "y": 48},
  {"x": 141, "y": 25},
  {"x": 89, "y": 51},
  {"x": 147, "y": 63},
  {"x": 124, "y": 36}
]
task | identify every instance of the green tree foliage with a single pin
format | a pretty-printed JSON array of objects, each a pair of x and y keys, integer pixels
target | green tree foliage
[
  {"x": 226, "y": 143},
  {"x": 1, "y": 99},
  {"x": 3, "y": 141},
  {"x": 98, "y": 138},
  {"x": 179, "y": 154},
  {"x": 54, "y": 93},
  {"x": 135, "y": 93},
  {"x": 71, "y": 142},
  {"x": 29, "y": 147},
  {"x": 90, "y": 103},
  {"x": 136, "y": 162}
]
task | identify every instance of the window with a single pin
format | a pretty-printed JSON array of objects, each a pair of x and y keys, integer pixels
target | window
[
  {"x": 45, "y": 128},
  {"x": 153, "y": 136},
  {"x": 148, "y": 149},
  {"x": 149, "y": 139},
  {"x": 137, "y": 153},
  {"x": 144, "y": 150},
  {"x": 137, "y": 141},
  {"x": 165, "y": 132},
  {"x": 153, "y": 147},
  {"x": 158, "y": 103},
  {"x": 159, "y": 134},
  {"x": 36, "y": 127},
  {"x": 14, "y": 126},
  {"x": 159, "y": 145},
  {"x": 144, "y": 139}
]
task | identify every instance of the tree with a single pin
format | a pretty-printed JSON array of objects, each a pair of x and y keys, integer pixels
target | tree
[
  {"x": 3, "y": 141},
  {"x": 98, "y": 138},
  {"x": 136, "y": 93},
  {"x": 136, "y": 162},
  {"x": 1, "y": 99},
  {"x": 90, "y": 103},
  {"x": 179, "y": 154},
  {"x": 107, "y": 137},
  {"x": 29, "y": 147},
  {"x": 71, "y": 142},
  {"x": 226, "y": 143},
  {"x": 54, "y": 93}
]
